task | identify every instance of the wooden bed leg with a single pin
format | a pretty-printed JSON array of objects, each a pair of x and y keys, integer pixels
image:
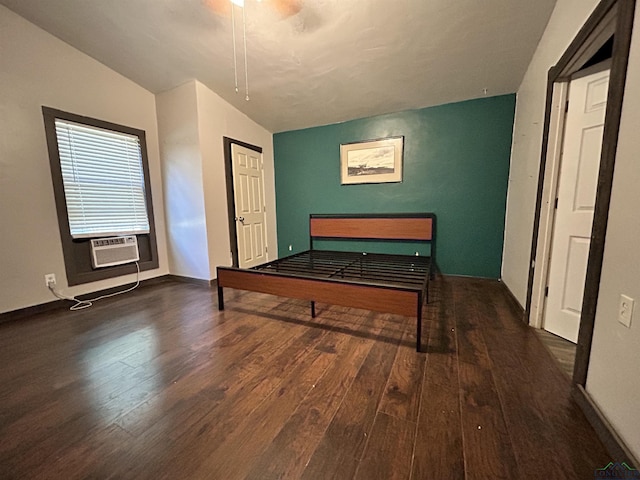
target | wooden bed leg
[
  {"x": 313, "y": 309},
  {"x": 220, "y": 299}
]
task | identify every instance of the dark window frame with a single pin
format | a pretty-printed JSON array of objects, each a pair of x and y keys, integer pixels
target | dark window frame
[{"x": 76, "y": 252}]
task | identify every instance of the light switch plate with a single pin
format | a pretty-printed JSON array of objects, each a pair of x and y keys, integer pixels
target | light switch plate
[{"x": 625, "y": 310}]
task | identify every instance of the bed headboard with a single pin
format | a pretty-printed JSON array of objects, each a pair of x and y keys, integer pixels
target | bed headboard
[
  {"x": 398, "y": 226},
  {"x": 419, "y": 227}
]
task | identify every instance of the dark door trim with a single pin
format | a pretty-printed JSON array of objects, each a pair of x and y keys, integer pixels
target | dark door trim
[
  {"x": 231, "y": 203},
  {"x": 610, "y": 18}
]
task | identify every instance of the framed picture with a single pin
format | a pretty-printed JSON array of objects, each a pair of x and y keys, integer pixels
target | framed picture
[{"x": 371, "y": 161}]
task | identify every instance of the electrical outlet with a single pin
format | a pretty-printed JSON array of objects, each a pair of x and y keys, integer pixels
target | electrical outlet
[
  {"x": 625, "y": 310},
  {"x": 290, "y": 247},
  {"x": 50, "y": 280}
]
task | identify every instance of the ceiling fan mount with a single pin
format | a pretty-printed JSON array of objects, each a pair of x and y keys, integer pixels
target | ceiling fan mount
[{"x": 284, "y": 8}]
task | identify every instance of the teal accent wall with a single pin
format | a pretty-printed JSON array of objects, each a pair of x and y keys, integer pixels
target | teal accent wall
[{"x": 456, "y": 164}]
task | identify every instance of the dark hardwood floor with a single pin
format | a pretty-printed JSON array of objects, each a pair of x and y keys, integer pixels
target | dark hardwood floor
[
  {"x": 159, "y": 384},
  {"x": 562, "y": 350}
]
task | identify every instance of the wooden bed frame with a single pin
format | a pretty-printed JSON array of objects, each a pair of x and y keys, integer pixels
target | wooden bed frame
[{"x": 381, "y": 282}]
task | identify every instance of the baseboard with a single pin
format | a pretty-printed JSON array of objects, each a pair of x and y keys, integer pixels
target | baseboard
[
  {"x": 514, "y": 301},
  {"x": 149, "y": 282},
  {"x": 613, "y": 443},
  {"x": 194, "y": 281},
  {"x": 55, "y": 305},
  {"x": 26, "y": 312},
  {"x": 471, "y": 277}
]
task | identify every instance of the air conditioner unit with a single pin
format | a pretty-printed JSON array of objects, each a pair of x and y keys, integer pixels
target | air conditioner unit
[{"x": 106, "y": 252}]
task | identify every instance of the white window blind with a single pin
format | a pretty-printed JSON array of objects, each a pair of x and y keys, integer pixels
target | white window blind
[{"x": 103, "y": 180}]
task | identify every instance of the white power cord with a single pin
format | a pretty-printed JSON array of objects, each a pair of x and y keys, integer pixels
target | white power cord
[{"x": 81, "y": 304}]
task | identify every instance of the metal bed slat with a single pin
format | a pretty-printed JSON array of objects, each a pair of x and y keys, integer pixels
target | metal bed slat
[
  {"x": 395, "y": 276},
  {"x": 303, "y": 272},
  {"x": 379, "y": 279},
  {"x": 404, "y": 269},
  {"x": 408, "y": 270},
  {"x": 341, "y": 258},
  {"x": 337, "y": 256},
  {"x": 303, "y": 266}
]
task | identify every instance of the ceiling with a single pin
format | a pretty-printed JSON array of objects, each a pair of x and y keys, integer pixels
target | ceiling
[{"x": 332, "y": 61}]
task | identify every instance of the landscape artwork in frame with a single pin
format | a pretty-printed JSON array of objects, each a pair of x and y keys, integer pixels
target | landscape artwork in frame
[{"x": 372, "y": 161}]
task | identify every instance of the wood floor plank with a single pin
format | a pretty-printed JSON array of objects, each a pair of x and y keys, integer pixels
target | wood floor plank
[
  {"x": 389, "y": 450},
  {"x": 90, "y": 458},
  {"x": 344, "y": 440},
  {"x": 235, "y": 456},
  {"x": 488, "y": 451},
  {"x": 70, "y": 418},
  {"x": 401, "y": 398},
  {"x": 438, "y": 451},
  {"x": 159, "y": 384},
  {"x": 213, "y": 384},
  {"x": 222, "y": 424},
  {"x": 289, "y": 453},
  {"x": 539, "y": 410},
  {"x": 190, "y": 456},
  {"x": 562, "y": 350},
  {"x": 200, "y": 430}
]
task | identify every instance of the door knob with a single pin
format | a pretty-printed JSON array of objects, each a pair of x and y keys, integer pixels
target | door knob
[{"x": 240, "y": 219}]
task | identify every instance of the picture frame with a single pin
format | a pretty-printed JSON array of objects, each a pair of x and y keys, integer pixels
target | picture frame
[{"x": 372, "y": 161}]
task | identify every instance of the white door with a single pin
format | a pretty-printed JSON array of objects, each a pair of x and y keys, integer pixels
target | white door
[
  {"x": 248, "y": 187},
  {"x": 577, "y": 184}
]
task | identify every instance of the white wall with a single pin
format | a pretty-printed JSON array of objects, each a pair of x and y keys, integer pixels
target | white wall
[
  {"x": 217, "y": 118},
  {"x": 38, "y": 69},
  {"x": 614, "y": 369},
  {"x": 193, "y": 121},
  {"x": 183, "y": 182},
  {"x": 567, "y": 18}
]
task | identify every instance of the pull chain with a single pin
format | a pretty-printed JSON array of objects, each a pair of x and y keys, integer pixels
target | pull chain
[
  {"x": 246, "y": 70},
  {"x": 235, "y": 58}
]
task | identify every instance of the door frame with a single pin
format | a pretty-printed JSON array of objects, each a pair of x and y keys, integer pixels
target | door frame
[
  {"x": 231, "y": 198},
  {"x": 610, "y": 18},
  {"x": 549, "y": 207}
]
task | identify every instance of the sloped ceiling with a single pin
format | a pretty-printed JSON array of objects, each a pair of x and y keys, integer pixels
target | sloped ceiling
[{"x": 332, "y": 61}]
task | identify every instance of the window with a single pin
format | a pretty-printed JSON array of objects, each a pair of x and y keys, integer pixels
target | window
[
  {"x": 101, "y": 184},
  {"x": 103, "y": 180}
]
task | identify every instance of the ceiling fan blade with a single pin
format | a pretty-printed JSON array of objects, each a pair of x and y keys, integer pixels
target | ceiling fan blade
[
  {"x": 219, "y": 7},
  {"x": 286, "y": 8}
]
